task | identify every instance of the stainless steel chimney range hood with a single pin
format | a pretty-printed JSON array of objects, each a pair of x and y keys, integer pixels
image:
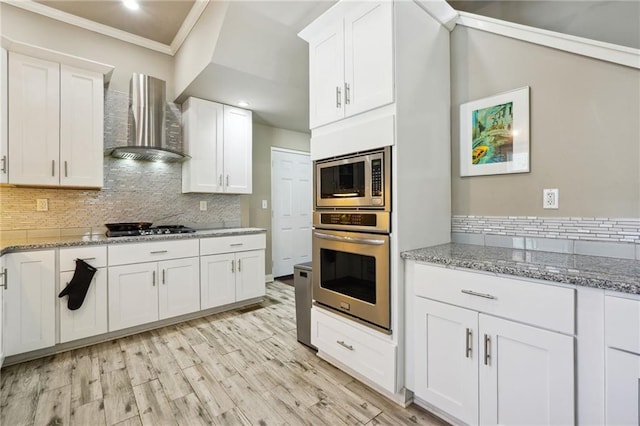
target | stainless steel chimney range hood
[{"x": 148, "y": 100}]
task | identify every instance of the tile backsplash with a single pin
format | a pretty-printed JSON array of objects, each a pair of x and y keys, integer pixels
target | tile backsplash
[{"x": 133, "y": 190}]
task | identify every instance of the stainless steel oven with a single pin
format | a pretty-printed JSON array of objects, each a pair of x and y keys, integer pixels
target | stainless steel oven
[
  {"x": 360, "y": 180},
  {"x": 351, "y": 269}
]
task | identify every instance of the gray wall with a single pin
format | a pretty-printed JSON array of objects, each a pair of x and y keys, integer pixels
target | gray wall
[
  {"x": 584, "y": 121},
  {"x": 265, "y": 137}
]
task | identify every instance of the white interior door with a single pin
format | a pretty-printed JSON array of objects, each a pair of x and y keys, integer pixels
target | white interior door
[{"x": 291, "y": 207}]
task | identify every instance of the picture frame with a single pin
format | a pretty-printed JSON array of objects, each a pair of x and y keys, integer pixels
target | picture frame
[{"x": 494, "y": 134}]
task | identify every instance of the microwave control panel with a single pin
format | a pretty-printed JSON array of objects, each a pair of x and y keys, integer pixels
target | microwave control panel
[{"x": 376, "y": 178}]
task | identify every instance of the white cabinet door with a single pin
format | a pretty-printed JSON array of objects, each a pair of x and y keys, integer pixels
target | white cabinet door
[
  {"x": 34, "y": 121},
  {"x": 91, "y": 318},
  {"x": 81, "y": 127},
  {"x": 250, "y": 274},
  {"x": 202, "y": 124},
  {"x": 238, "y": 135},
  {"x": 30, "y": 301},
  {"x": 218, "y": 282},
  {"x": 4, "y": 176},
  {"x": 179, "y": 287},
  {"x": 3, "y": 275},
  {"x": 368, "y": 47},
  {"x": 326, "y": 75},
  {"x": 446, "y": 354},
  {"x": 133, "y": 295},
  {"x": 526, "y": 374},
  {"x": 622, "y": 388}
]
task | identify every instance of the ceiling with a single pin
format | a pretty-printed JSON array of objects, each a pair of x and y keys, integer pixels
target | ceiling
[
  {"x": 258, "y": 56},
  {"x": 156, "y": 20}
]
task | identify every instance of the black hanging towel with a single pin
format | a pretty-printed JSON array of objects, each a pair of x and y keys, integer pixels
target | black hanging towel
[{"x": 79, "y": 284}]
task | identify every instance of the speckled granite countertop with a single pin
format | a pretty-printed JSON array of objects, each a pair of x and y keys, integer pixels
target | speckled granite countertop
[
  {"x": 27, "y": 244},
  {"x": 590, "y": 271}
]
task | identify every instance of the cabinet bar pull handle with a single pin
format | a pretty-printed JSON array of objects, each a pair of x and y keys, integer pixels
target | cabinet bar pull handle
[
  {"x": 65, "y": 169},
  {"x": 343, "y": 344},
  {"x": 227, "y": 180},
  {"x": 164, "y": 281},
  {"x": 4, "y": 164},
  {"x": 220, "y": 180},
  {"x": 5, "y": 279},
  {"x": 158, "y": 252},
  {"x": 347, "y": 94},
  {"x": 233, "y": 266},
  {"x": 153, "y": 281},
  {"x": 236, "y": 244},
  {"x": 53, "y": 167},
  {"x": 467, "y": 351},
  {"x": 239, "y": 265},
  {"x": 487, "y": 349},
  {"x": 473, "y": 293},
  {"x": 88, "y": 258},
  {"x": 338, "y": 97}
]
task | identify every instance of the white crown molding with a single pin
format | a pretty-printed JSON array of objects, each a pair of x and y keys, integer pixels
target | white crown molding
[
  {"x": 187, "y": 25},
  {"x": 68, "y": 18},
  {"x": 582, "y": 46}
]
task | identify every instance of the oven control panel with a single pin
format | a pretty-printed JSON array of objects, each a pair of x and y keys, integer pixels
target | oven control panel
[{"x": 352, "y": 219}]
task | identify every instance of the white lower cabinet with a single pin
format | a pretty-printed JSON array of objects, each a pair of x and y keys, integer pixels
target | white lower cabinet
[
  {"x": 29, "y": 301},
  {"x": 482, "y": 369},
  {"x": 147, "y": 292},
  {"x": 354, "y": 346},
  {"x": 622, "y": 358},
  {"x": 91, "y": 318},
  {"x": 250, "y": 274}
]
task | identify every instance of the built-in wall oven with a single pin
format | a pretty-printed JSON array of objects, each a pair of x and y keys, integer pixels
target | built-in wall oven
[{"x": 351, "y": 237}]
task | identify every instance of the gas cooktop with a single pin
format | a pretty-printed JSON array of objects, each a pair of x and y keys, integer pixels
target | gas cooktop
[{"x": 132, "y": 231}]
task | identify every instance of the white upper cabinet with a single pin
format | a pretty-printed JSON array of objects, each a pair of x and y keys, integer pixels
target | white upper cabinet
[
  {"x": 55, "y": 124},
  {"x": 350, "y": 61},
  {"x": 4, "y": 171},
  {"x": 218, "y": 138},
  {"x": 81, "y": 127}
]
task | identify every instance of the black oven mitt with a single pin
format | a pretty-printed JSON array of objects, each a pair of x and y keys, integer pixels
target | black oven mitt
[{"x": 79, "y": 285}]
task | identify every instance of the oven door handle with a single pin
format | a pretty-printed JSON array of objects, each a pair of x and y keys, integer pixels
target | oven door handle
[{"x": 368, "y": 241}]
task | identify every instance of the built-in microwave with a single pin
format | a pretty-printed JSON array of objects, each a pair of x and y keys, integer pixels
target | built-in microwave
[{"x": 360, "y": 180}]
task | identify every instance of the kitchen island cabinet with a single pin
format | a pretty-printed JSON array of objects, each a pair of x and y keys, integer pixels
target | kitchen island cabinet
[
  {"x": 29, "y": 294},
  {"x": 481, "y": 368},
  {"x": 55, "y": 124}
]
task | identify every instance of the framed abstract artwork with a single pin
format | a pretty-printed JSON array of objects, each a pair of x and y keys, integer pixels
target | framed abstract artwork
[{"x": 494, "y": 134}]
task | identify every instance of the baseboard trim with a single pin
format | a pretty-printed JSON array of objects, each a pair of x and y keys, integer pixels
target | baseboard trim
[{"x": 268, "y": 278}]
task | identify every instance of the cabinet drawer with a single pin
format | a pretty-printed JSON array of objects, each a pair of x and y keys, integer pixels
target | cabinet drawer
[
  {"x": 622, "y": 323},
  {"x": 94, "y": 256},
  {"x": 367, "y": 355},
  {"x": 150, "y": 252},
  {"x": 541, "y": 305},
  {"x": 216, "y": 245}
]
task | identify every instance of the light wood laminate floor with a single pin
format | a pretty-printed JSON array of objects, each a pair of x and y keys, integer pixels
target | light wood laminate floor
[{"x": 242, "y": 367}]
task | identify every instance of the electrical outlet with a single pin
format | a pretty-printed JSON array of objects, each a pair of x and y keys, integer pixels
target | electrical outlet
[
  {"x": 264, "y": 204},
  {"x": 203, "y": 205},
  {"x": 42, "y": 205},
  {"x": 550, "y": 198}
]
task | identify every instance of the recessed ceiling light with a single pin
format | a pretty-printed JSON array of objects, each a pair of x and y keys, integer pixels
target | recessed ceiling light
[
  {"x": 131, "y": 4},
  {"x": 243, "y": 104}
]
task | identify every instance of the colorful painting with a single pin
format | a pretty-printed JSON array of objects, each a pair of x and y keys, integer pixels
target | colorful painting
[
  {"x": 494, "y": 134},
  {"x": 491, "y": 133}
]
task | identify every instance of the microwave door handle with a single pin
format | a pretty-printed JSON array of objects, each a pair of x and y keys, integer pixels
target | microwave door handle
[{"x": 368, "y": 241}]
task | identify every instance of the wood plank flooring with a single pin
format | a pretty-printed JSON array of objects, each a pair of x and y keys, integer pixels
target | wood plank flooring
[{"x": 242, "y": 367}]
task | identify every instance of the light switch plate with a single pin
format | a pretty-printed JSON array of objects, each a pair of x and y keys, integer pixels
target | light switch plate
[{"x": 264, "y": 204}]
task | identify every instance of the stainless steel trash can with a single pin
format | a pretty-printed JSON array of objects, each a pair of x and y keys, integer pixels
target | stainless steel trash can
[{"x": 302, "y": 273}]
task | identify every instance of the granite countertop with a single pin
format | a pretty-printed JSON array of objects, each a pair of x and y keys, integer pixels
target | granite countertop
[
  {"x": 607, "y": 273},
  {"x": 39, "y": 243}
]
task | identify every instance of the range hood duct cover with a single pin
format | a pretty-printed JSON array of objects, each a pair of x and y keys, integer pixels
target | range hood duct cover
[{"x": 148, "y": 103}]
